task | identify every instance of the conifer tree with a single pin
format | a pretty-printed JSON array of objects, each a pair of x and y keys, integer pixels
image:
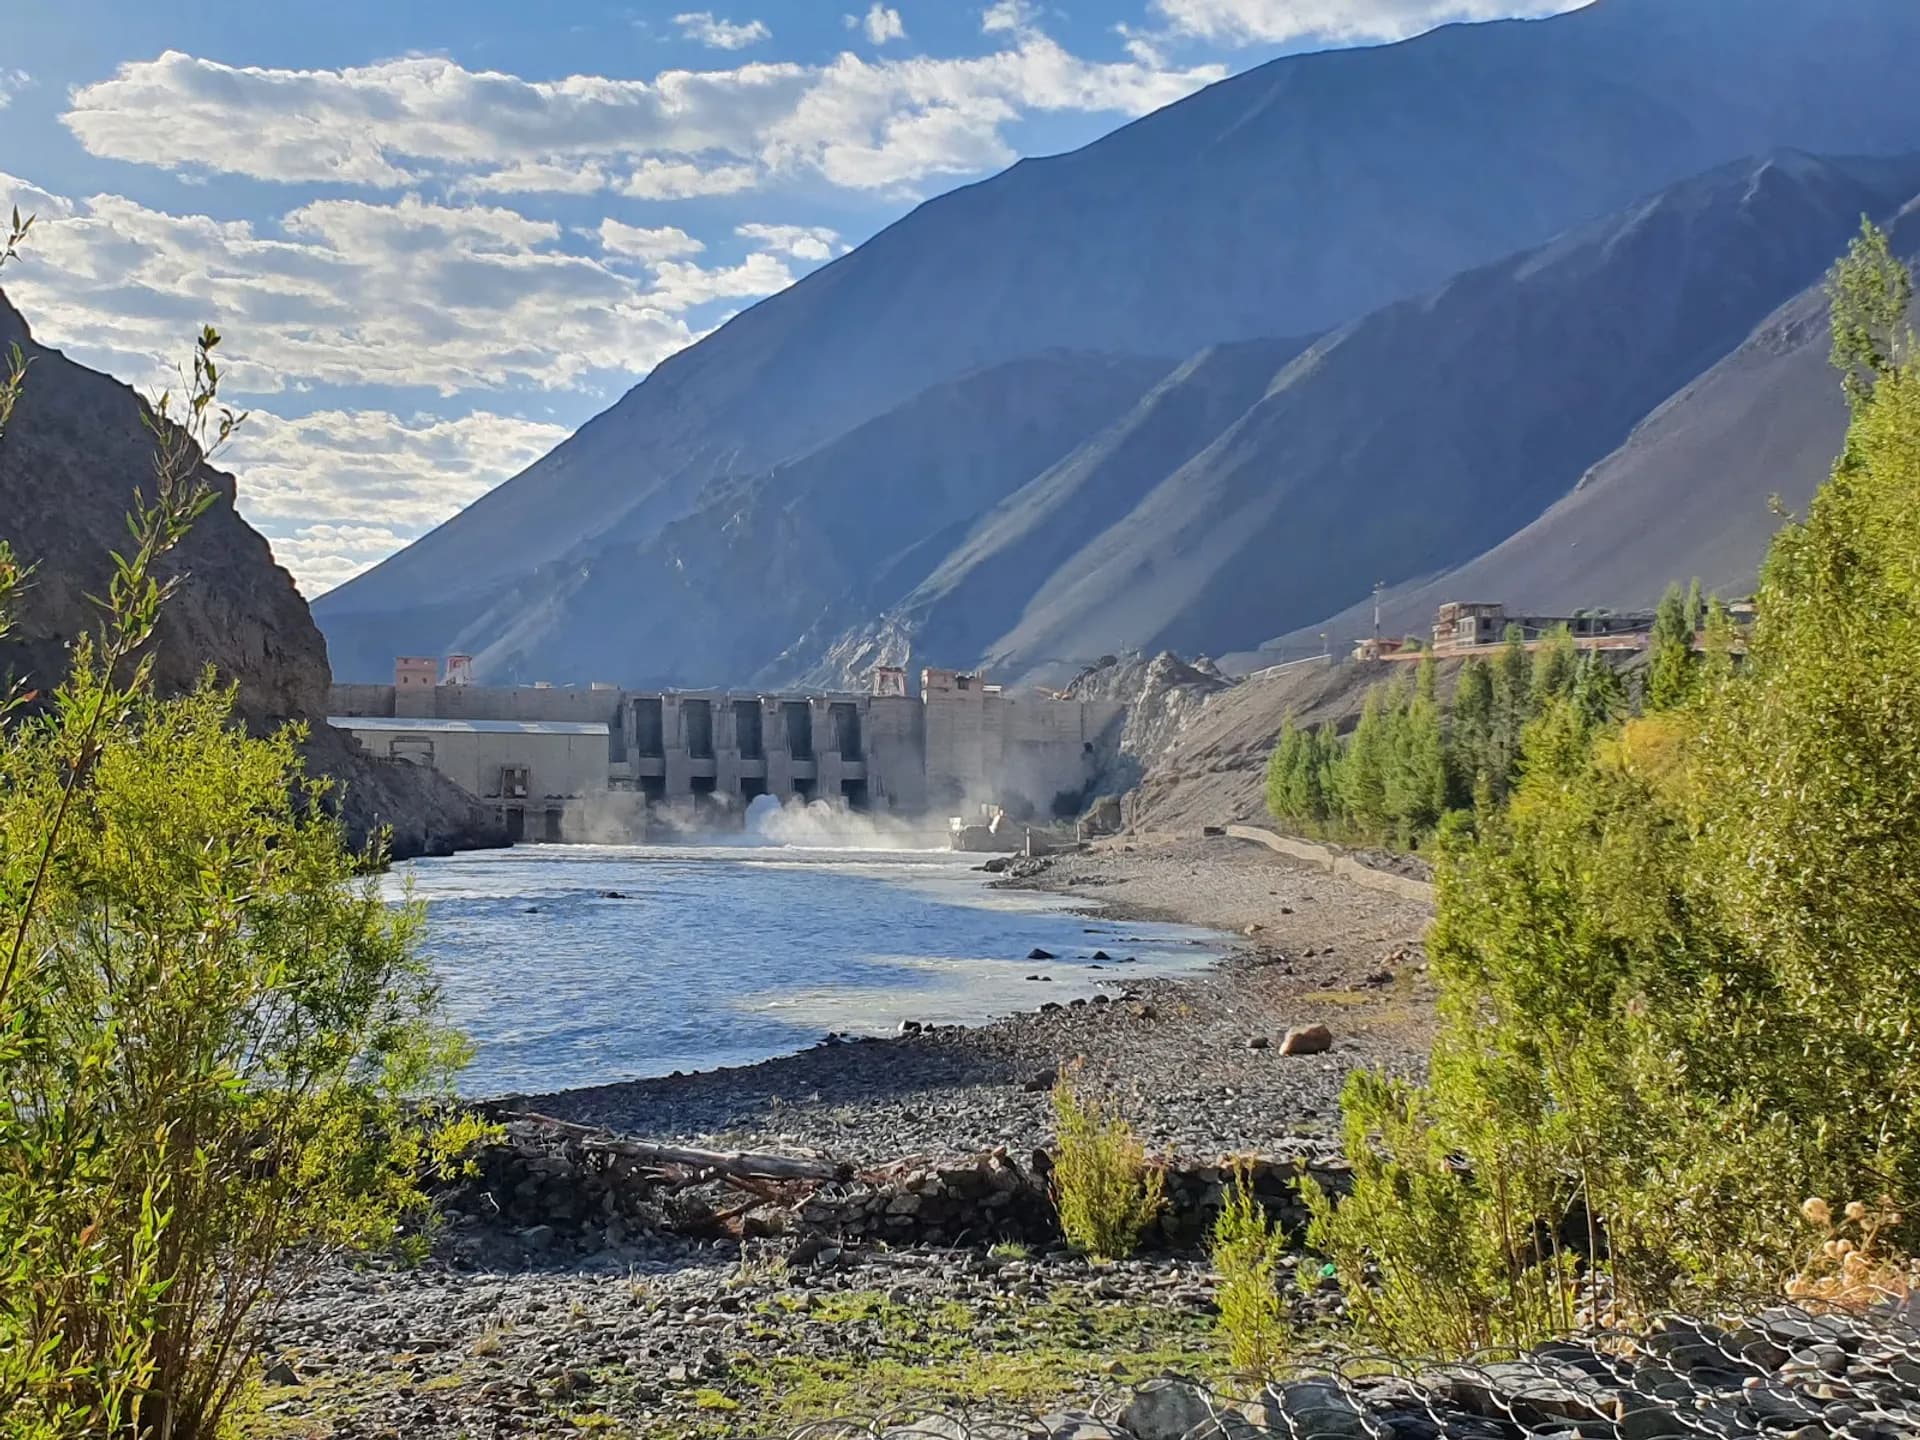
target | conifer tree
[
  {"x": 1554, "y": 664},
  {"x": 1670, "y": 673},
  {"x": 1718, "y": 643},
  {"x": 1512, "y": 708},
  {"x": 1362, "y": 775}
]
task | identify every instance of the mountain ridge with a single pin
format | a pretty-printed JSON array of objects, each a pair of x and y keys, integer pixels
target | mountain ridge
[
  {"x": 1449, "y": 150},
  {"x": 1437, "y": 426},
  {"x": 1765, "y": 422}
]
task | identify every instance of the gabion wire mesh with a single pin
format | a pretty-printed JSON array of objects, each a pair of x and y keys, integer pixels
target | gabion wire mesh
[{"x": 1786, "y": 1372}]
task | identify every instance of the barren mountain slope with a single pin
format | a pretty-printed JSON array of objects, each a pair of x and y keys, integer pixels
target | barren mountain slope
[
  {"x": 1431, "y": 430},
  {"x": 1294, "y": 197},
  {"x": 1689, "y": 494}
]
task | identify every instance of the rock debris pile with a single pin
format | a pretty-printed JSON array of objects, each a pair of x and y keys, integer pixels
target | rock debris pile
[{"x": 562, "y": 1189}]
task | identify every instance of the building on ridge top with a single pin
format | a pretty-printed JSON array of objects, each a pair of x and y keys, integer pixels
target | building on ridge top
[{"x": 1466, "y": 625}]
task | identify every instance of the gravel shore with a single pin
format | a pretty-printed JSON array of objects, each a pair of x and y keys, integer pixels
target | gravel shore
[{"x": 666, "y": 1335}]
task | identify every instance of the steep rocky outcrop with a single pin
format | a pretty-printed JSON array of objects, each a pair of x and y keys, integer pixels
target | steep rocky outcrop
[
  {"x": 1289, "y": 200},
  {"x": 1163, "y": 695},
  {"x": 71, "y": 459}
]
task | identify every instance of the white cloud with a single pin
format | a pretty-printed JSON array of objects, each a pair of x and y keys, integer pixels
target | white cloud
[
  {"x": 406, "y": 123},
  {"x": 679, "y": 286},
  {"x": 1007, "y": 17},
  {"x": 411, "y": 294},
  {"x": 1145, "y": 46},
  {"x": 342, "y": 292},
  {"x": 12, "y": 82},
  {"x": 718, "y": 34},
  {"x": 1338, "y": 22},
  {"x": 881, "y": 24},
  {"x": 337, "y": 491},
  {"x": 635, "y": 242},
  {"x": 802, "y": 242},
  {"x": 671, "y": 180},
  {"x": 538, "y": 177}
]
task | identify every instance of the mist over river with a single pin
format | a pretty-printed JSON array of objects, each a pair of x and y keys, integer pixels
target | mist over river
[{"x": 574, "y": 965}]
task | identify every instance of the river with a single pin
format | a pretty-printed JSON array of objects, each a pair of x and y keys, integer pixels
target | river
[{"x": 575, "y": 965}]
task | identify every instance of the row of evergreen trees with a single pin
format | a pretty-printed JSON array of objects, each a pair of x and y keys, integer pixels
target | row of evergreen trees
[
  {"x": 1410, "y": 760},
  {"x": 1677, "y": 1067}
]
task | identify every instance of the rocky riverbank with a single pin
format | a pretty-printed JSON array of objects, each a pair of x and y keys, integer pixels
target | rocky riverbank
[
  {"x": 554, "y": 1305},
  {"x": 1193, "y": 1063}
]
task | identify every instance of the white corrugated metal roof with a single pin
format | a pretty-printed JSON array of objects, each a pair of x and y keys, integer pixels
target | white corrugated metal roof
[{"x": 469, "y": 727}]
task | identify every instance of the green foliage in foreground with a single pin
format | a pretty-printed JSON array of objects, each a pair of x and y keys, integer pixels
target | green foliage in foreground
[
  {"x": 1105, "y": 1190},
  {"x": 1247, "y": 1250},
  {"x": 210, "y": 1024},
  {"x": 1678, "y": 973}
]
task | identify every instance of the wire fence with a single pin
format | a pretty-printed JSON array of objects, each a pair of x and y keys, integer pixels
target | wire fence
[{"x": 1784, "y": 1373}]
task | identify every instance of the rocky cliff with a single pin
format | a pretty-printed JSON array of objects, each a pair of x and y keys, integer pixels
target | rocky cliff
[{"x": 71, "y": 459}]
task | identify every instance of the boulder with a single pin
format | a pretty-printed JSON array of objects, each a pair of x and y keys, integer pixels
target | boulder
[
  {"x": 929, "y": 1427},
  {"x": 1166, "y": 1410},
  {"x": 1311, "y": 1410},
  {"x": 1307, "y": 1040}
]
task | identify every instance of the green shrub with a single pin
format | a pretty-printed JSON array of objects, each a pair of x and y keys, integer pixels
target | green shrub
[
  {"x": 212, "y": 1029},
  {"x": 1676, "y": 972},
  {"x": 1247, "y": 1250},
  {"x": 1105, "y": 1189}
]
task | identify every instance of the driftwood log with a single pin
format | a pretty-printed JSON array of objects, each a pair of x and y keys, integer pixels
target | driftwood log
[{"x": 738, "y": 1163}]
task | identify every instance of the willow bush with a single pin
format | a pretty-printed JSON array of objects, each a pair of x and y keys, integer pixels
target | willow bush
[
  {"x": 214, "y": 1035},
  {"x": 1678, "y": 973},
  {"x": 1247, "y": 1248},
  {"x": 1106, "y": 1191}
]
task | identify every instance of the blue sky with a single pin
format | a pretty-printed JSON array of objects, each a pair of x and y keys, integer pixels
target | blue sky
[{"x": 438, "y": 236}]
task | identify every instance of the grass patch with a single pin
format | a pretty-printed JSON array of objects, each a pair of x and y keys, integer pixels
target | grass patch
[{"x": 886, "y": 1357}]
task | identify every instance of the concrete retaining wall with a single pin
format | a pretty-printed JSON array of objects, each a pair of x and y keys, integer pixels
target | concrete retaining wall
[{"x": 1334, "y": 863}]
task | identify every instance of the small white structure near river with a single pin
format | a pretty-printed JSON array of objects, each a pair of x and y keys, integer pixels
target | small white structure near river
[{"x": 530, "y": 769}]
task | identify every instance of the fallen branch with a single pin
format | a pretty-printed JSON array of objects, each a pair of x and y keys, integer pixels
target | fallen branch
[{"x": 738, "y": 1162}]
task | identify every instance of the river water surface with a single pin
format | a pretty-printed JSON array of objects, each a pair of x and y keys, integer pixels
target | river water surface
[{"x": 573, "y": 965}]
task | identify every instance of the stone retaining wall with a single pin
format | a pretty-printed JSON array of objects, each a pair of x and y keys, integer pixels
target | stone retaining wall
[
  {"x": 542, "y": 1179},
  {"x": 1343, "y": 867}
]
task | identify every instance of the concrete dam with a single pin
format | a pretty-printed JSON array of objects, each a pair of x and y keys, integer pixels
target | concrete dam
[{"x": 561, "y": 763}]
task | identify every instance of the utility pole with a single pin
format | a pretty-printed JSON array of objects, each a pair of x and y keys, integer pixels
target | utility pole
[{"x": 1379, "y": 586}]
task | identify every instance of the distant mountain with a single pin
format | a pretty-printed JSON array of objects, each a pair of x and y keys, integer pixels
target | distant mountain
[
  {"x": 74, "y": 454},
  {"x": 1289, "y": 200},
  {"x": 1688, "y": 495},
  {"x": 1428, "y": 431},
  {"x": 813, "y": 546}
]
